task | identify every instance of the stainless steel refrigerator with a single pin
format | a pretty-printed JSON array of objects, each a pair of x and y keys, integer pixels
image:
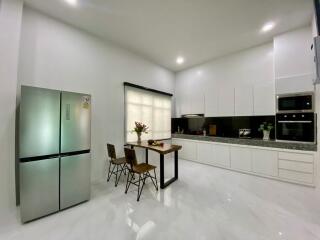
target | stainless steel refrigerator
[{"x": 54, "y": 151}]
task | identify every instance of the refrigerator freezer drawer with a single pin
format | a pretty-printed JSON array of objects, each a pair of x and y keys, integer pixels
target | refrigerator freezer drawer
[
  {"x": 75, "y": 180},
  {"x": 75, "y": 122},
  {"x": 39, "y": 188},
  {"x": 39, "y": 122}
]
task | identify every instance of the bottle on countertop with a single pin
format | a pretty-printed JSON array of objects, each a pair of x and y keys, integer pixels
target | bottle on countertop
[{"x": 204, "y": 132}]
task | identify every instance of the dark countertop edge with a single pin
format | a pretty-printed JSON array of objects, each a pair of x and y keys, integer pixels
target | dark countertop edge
[{"x": 250, "y": 142}]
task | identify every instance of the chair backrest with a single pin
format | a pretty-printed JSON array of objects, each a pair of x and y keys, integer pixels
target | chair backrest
[
  {"x": 130, "y": 156},
  {"x": 111, "y": 151}
]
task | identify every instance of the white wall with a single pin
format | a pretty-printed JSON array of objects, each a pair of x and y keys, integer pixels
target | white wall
[
  {"x": 249, "y": 66},
  {"x": 56, "y": 55},
  {"x": 10, "y": 22}
]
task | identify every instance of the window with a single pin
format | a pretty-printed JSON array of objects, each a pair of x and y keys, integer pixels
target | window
[{"x": 150, "y": 108}]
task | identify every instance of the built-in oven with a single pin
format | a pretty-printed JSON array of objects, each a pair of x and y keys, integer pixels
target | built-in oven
[
  {"x": 297, "y": 102},
  {"x": 296, "y": 127}
]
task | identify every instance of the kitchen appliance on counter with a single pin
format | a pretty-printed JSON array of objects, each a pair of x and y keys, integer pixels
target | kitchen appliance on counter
[
  {"x": 296, "y": 102},
  {"x": 296, "y": 127},
  {"x": 192, "y": 115},
  {"x": 213, "y": 130},
  {"x": 244, "y": 133},
  {"x": 54, "y": 151}
]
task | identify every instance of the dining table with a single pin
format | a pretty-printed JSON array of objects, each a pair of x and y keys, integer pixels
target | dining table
[{"x": 163, "y": 149}]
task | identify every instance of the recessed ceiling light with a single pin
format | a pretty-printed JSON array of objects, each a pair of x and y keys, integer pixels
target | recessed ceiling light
[
  {"x": 180, "y": 60},
  {"x": 267, "y": 27},
  {"x": 72, "y": 2}
]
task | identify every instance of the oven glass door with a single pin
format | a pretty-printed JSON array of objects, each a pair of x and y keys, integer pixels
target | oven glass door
[
  {"x": 296, "y": 103},
  {"x": 295, "y": 130}
]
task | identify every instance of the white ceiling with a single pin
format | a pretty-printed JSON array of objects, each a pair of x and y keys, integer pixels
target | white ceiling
[{"x": 199, "y": 30}]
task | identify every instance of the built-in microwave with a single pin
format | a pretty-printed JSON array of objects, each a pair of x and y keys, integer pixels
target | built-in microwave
[
  {"x": 294, "y": 103},
  {"x": 296, "y": 127}
]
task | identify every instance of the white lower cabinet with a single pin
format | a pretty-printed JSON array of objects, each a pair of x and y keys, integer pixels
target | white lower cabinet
[
  {"x": 265, "y": 162},
  {"x": 205, "y": 153},
  {"x": 241, "y": 158},
  {"x": 189, "y": 149},
  {"x": 297, "y": 167},
  {"x": 221, "y": 155},
  {"x": 288, "y": 165},
  {"x": 296, "y": 176},
  {"x": 214, "y": 154}
]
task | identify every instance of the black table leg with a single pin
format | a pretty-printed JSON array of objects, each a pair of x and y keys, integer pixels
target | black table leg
[
  {"x": 147, "y": 159},
  {"x": 162, "y": 171},
  {"x": 176, "y": 164},
  {"x": 167, "y": 183}
]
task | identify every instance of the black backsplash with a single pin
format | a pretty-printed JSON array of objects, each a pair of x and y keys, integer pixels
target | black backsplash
[{"x": 226, "y": 126}]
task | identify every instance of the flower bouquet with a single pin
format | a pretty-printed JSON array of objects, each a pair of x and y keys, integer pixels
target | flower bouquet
[{"x": 139, "y": 129}]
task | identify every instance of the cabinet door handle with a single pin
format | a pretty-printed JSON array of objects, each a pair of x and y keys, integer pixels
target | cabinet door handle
[{"x": 294, "y": 121}]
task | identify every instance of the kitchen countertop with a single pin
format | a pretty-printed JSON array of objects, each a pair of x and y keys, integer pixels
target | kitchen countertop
[{"x": 250, "y": 141}]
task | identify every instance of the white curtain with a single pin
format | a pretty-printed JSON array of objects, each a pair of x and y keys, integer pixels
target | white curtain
[{"x": 150, "y": 108}]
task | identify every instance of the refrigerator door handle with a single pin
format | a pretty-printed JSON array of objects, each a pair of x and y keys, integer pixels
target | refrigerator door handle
[
  {"x": 75, "y": 153},
  {"x": 68, "y": 111}
]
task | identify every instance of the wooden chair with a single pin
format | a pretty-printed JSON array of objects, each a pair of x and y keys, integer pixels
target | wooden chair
[
  {"x": 119, "y": 164},
  {"x": 142, "y": 169}
]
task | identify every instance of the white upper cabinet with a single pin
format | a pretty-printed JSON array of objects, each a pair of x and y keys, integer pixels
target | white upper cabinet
[
  {"x": 197, "y": 102},
  {"x": 189, "y": 94},
  {"x": 211, "y": 100},
  {"x": 264, "y": 99},
  {"x": 184, "y": 104},
  {"x": 226, "y": 101},
  {"x": 293, "y": 61},
  {"x": 192, "y": 104},
  {"x": 229, "y": 86},
  {"x": 243, "y": 100}
]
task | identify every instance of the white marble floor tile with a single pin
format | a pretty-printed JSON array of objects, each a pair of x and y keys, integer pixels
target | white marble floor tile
[{"x": 206, "y": 203}]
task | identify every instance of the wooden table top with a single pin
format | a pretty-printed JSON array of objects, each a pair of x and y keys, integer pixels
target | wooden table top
[{"x": 167, "y": 148}]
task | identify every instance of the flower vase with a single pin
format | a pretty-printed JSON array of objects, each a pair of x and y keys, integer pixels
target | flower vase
[
  {"x": 266, "y": 135},
  {"x": 139, "y": 137}
]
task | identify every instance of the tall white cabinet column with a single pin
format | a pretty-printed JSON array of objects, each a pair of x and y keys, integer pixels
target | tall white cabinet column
[{"x": 293, "y": 61}]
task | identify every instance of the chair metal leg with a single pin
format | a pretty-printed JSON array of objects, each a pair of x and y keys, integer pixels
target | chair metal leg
[
  {"x": 115, "y": 184},
  {"x": 138, "y": 197},
  {"x": 140, "y": 182},
  {"x": 154, "y": 182},
  {"x": 130, "y": 176},
  {"x": 121, "y": 170},
  {"x": 155, "y": 176},
  {"x": 143, "y": 183},
  {"x": 110, "y": 173},
  {"x": 125, "y": 169}
]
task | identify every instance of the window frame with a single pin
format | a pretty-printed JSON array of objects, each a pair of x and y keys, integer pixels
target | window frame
[{"x": 130, "y": 85}]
